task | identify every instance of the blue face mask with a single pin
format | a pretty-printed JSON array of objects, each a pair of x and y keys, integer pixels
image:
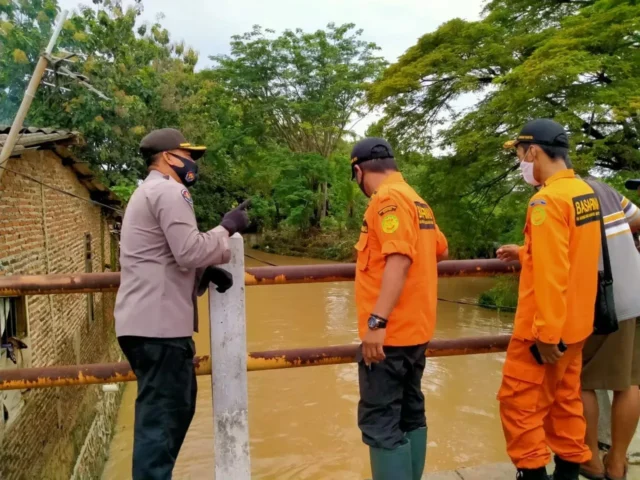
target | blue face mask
[{"x": 188, "y": 173}]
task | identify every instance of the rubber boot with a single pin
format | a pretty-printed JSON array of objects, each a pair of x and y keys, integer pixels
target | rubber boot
[
  {"x": 418, "y": 440},
  {"x": 565, "y": 470},
  {"x": 391, "y": 464},
  {"x": 532, "y": 474}
]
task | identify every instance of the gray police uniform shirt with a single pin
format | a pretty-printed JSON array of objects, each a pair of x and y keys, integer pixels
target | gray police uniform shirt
[
  {"x": 162, "y": 257},
  {"x": 618, "y": 211}
]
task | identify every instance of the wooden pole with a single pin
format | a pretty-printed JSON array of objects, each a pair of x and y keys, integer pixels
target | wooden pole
[{"x": 29, "y": 94}]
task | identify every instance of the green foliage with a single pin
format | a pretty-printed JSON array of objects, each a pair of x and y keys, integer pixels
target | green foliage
[
  {"x": 327, "y": 244},
  {"x": 123, "y": 190},
  {"x": 142, "y": 75},
  {"x": 303, "y": 89},
  {"x": 503, "y": 295},
  {"x": 276, "y": 113},
  {"x": 576, "y": 61}
]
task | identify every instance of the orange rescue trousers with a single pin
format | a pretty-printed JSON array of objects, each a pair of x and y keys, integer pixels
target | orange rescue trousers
[{"x": 541, "y": 405}]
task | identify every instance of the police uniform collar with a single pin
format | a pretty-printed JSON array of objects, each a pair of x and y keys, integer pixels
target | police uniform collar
[
  {"x": 157, "y": 174},
  {"x": 568, "y": 173}
]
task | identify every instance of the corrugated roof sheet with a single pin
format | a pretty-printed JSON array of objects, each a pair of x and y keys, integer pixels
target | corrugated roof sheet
[
  {"x": 33, "y": 137},
  {"x": 57, "y": 140}
]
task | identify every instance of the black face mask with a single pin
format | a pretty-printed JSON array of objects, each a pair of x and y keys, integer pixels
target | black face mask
[
  {"x": 361, "y": 184},
  {"x": 188, "y": 173}
]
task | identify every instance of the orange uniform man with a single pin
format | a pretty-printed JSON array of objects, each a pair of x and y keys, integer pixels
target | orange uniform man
[
  {"x": 396, "y": 296},
  {"x": 540, "y": 399}
]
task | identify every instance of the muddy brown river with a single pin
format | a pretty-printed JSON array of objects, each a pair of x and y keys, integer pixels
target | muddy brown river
[{"x": 303, "y": 421}]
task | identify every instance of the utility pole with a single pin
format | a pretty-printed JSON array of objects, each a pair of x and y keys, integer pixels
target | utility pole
[{"x": 30, "y": 93}]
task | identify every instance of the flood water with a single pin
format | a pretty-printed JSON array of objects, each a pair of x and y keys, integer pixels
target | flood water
[{"x": 303, "y": 421}]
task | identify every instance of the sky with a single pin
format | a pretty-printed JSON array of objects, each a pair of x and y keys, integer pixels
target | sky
[{"x": 207, "y": 26}]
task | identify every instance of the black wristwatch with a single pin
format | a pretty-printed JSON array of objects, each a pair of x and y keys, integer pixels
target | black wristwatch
[{"x": 375, "y": 322}]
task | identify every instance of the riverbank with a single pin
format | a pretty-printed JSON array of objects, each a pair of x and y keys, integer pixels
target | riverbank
[
  {"x": 335, "y": 245},
  {"x": 338, "y": 246},
  {"x": 502, "y": 296}
]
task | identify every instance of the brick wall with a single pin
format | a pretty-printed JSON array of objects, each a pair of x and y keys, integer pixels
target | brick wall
[{"x": 43, "y": 231}]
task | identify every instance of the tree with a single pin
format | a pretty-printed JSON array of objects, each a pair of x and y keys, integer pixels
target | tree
[
  {"x": 575, "y": 61},
  {"x": 141, "y": 72},
  {"x": 24, "y": 29},
  {"x": 304, "y": 87}
]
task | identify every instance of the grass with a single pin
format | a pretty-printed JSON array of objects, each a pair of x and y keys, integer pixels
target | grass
[{"x": 502, "y": 296}]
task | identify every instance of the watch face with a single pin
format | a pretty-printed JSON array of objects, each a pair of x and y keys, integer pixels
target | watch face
[{"x": 373, "y": 323}]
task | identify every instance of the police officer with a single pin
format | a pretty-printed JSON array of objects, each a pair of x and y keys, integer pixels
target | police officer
[
  {"x": 540, "y": 399},
  {"x": 396, "y": 296},
  {"x": 165, "y": 263}
]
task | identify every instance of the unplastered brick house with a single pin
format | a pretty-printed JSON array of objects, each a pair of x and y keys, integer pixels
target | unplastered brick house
[{"x": 51, "y": 223}]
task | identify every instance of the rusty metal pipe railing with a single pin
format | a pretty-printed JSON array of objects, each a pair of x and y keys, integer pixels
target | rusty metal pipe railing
[
  {"x": 14, "y": 285},
  {"x": 74, "y": 375}
]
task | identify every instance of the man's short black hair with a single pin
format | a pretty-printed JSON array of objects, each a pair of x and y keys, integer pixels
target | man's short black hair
[
  {"x": 152, "y": 159},
  {"x": 379, "y": 165},
  {"x": 554, "y": 153}
]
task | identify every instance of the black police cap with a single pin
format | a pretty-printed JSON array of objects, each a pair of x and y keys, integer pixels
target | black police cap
[
  {"x": 541, "y": 132},
  {"x": 167, "y": 139},
  {"x": 370, "y": 148}
]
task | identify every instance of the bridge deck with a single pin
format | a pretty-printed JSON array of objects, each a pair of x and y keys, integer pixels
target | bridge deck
[{"x": 500, "y": 471}]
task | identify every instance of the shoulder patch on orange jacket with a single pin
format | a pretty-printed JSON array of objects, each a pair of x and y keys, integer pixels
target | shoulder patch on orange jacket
[
  {"x": 387, "y": 209},
  {"x": 425, "y": 216},
  {"x": 586, "y": 208},
  {"x": 390, "y": 223}
]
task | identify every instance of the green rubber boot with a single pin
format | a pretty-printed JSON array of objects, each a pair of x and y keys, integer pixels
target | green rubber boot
[
  {"x": 418, "y": 440},
  {"x": 391, "y": 464}
]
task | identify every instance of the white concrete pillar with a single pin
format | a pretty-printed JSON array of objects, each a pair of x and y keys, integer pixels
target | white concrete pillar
[{"x": 229, "y": 372}]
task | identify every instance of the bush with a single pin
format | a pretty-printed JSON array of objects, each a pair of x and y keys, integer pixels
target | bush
[
  {"x": 328, "y": 245},
  {"x": 503, "y": 295}
]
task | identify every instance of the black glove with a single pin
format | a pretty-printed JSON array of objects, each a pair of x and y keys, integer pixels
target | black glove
[
  {"x": 219, "y": 277},
  {"x": 237, "y": 219}
]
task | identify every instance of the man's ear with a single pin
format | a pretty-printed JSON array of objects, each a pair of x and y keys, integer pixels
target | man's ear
[
  {"x": 170, "y": 159},
  {"x": 536, "y": 151}
]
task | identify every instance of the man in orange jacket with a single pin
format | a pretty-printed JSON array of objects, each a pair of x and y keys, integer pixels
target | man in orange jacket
[
  {"x": 396, "y": 296},
  {"x": 540, "y": 398}
]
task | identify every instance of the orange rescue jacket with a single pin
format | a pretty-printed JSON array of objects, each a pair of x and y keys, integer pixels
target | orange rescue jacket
[
  {"x": 558, "y": 282},
  {"x": 399, "y": 221}
]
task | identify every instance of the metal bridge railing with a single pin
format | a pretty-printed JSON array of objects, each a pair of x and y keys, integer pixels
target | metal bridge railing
[{"x": 229, "y": 362}]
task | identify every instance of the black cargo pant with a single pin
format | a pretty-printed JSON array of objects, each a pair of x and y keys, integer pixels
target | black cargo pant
[
  {"x": 391, "y": 400},
  {"x": 166, "y": 401}
]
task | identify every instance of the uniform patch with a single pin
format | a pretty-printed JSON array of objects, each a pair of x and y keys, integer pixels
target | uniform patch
[
  {"x": 187, "y": 196},
  {"x": 365, "y": 227},
  {"x": 388, "y": 209},
  {"x": 539, "y": 201},
  {"x": 425, "y": 216},
  {"x": 586, "y": 208},
  {"x": 390, "y": 224},
  {"x": 538, "y": 215}
]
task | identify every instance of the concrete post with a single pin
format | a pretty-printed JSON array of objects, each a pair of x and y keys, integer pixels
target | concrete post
[{"x": 229, "y": 372}]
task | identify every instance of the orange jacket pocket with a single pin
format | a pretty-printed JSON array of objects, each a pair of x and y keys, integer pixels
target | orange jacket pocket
[
  {"x": 363, "y": 252},
  {"x": 521, "y": 382}
]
